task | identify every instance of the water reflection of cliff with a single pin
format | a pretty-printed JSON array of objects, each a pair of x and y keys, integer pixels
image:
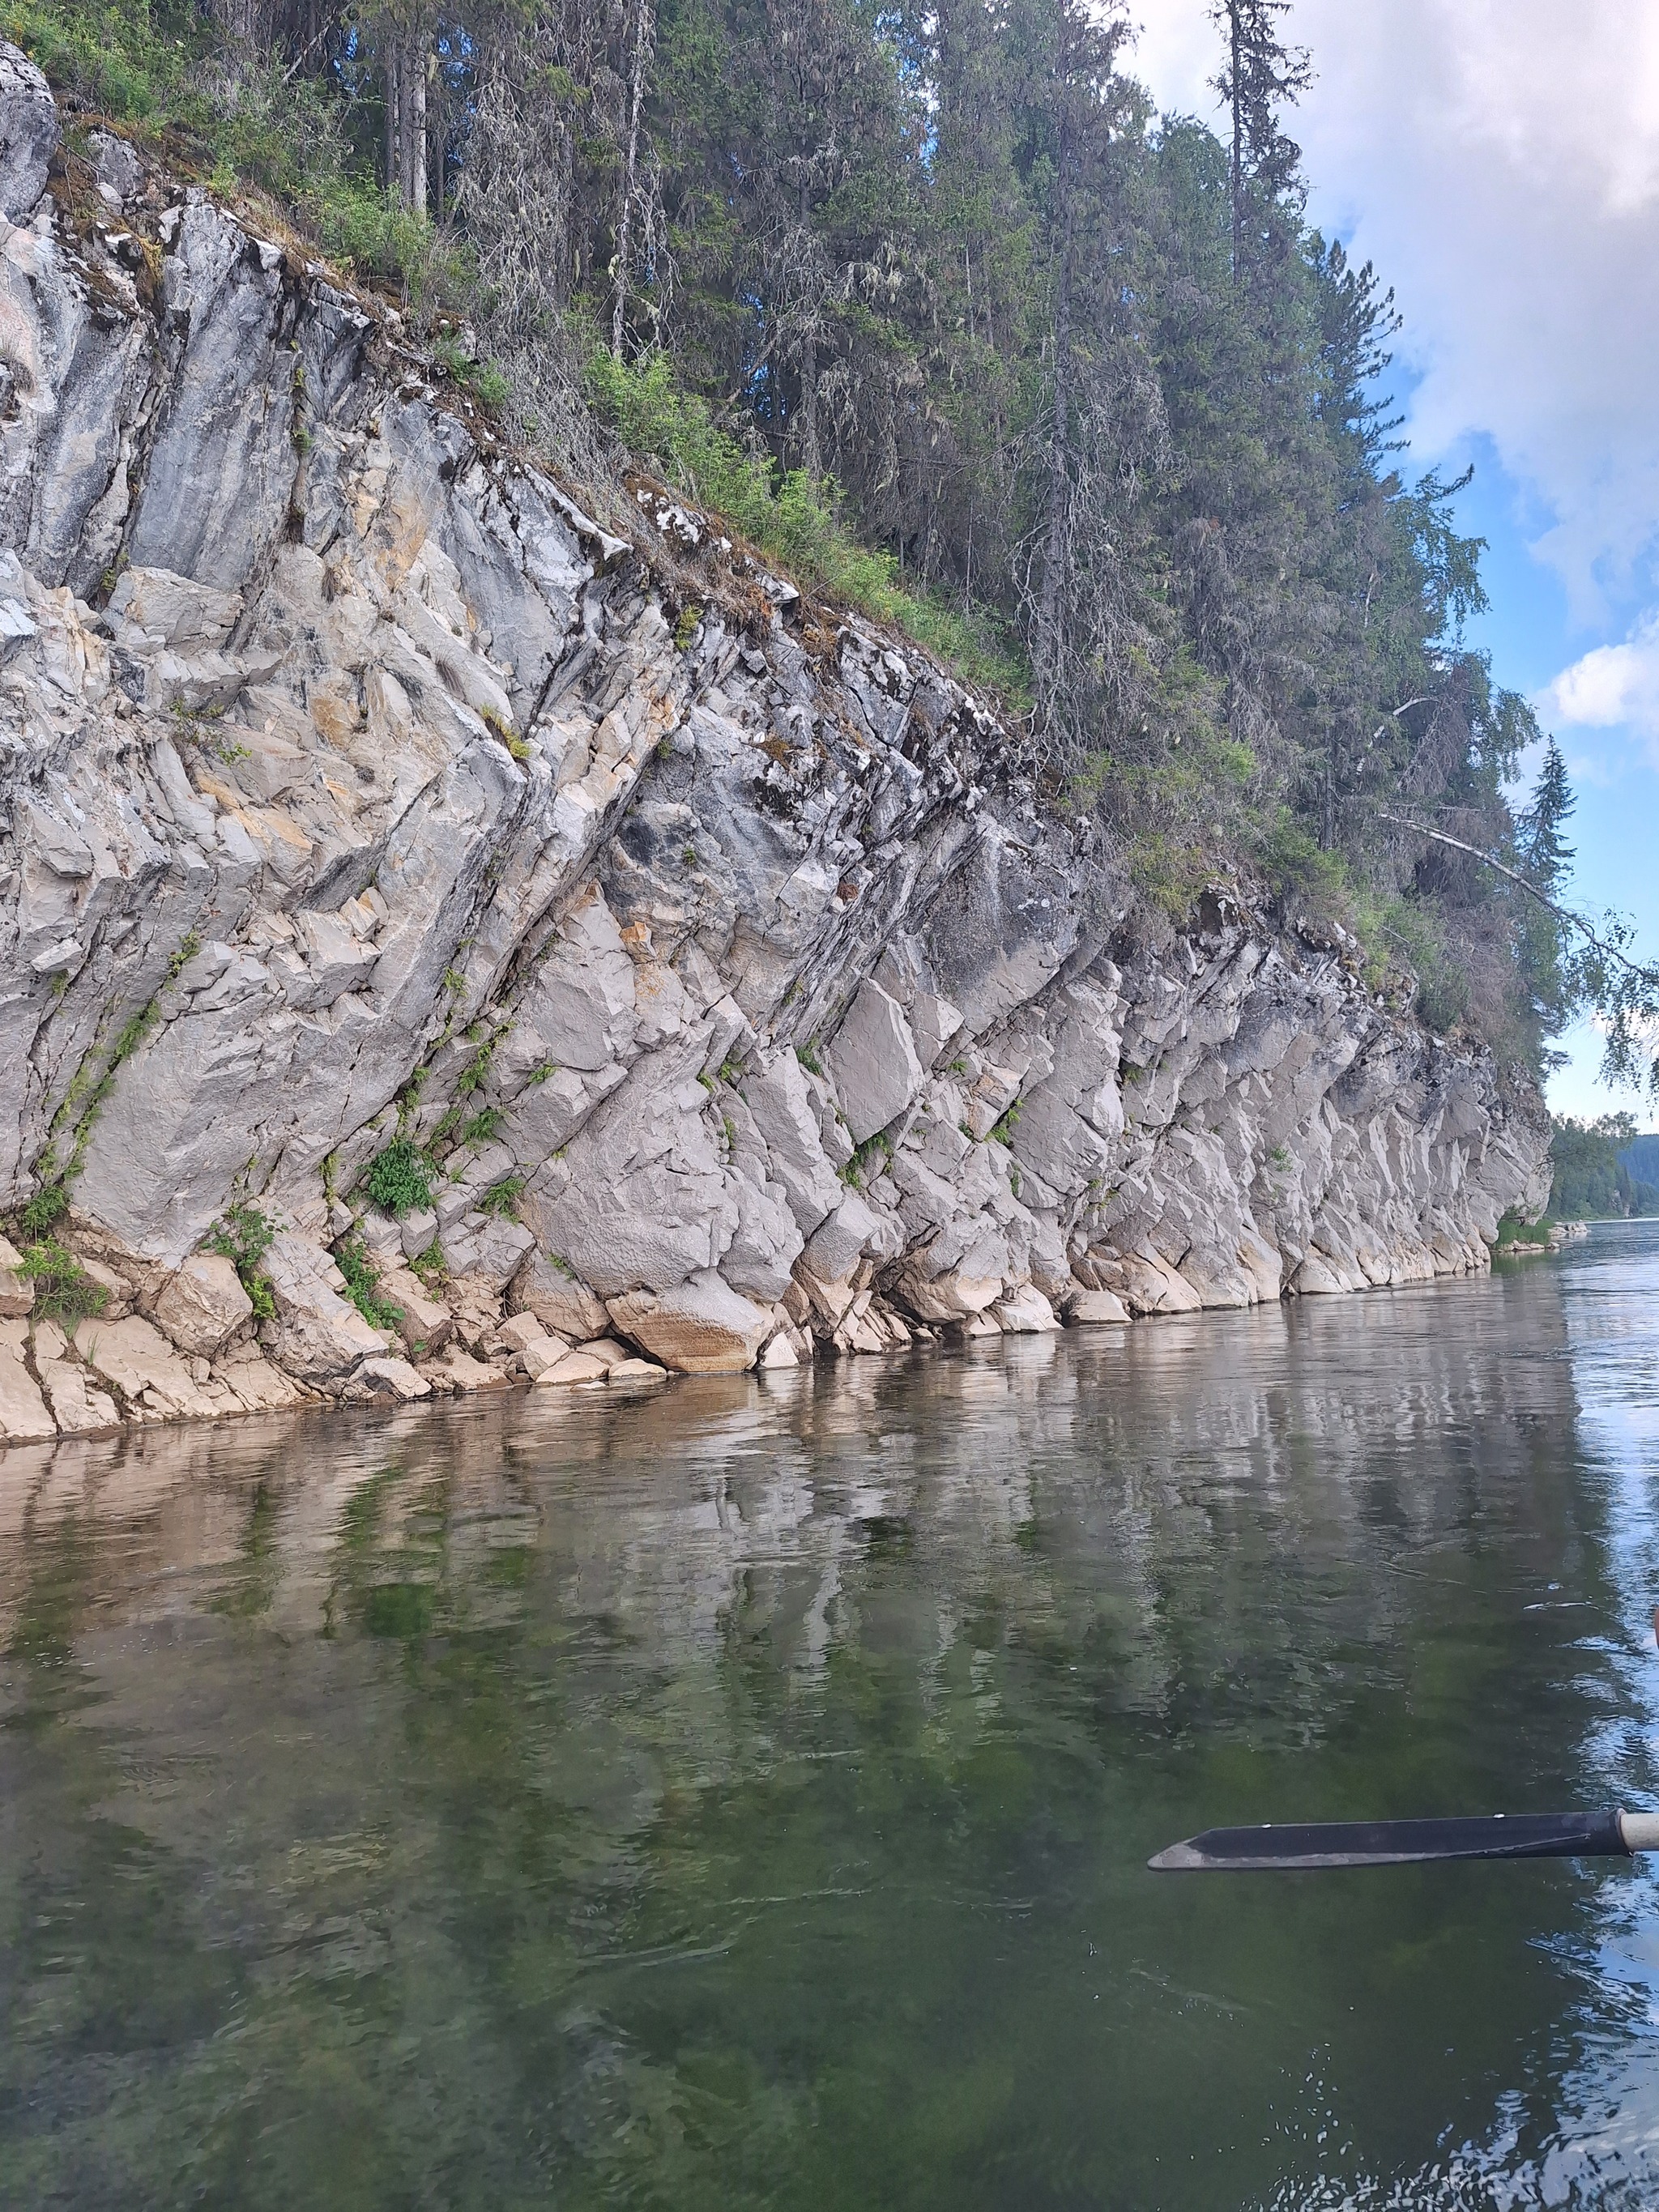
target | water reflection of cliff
[
  {"x": 406, "y": 1759},
  {"x": 1092, "y": 1479}
]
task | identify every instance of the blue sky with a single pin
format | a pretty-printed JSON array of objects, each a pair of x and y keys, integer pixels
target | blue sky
[{"x": 1498, "y": 159}]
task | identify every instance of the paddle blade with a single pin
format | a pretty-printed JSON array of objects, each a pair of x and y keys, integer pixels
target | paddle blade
[{"x": 1287, "y": 1846}]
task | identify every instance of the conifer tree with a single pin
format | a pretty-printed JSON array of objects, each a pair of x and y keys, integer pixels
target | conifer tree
[
  {"x": 1545, "y": 853},
  {"x": 1260, "y": 75}
]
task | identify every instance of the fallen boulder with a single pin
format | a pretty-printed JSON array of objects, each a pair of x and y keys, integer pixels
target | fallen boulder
[
  {"x": 564, "y": 1306},
  {"x": 638, "y": 1370},
  {"x": 703, "y": 1326},
  {"x": 1025, "y": 1311},
  {"x": 203, "y": 1304},
  {"x": 318, "y": 1333}
]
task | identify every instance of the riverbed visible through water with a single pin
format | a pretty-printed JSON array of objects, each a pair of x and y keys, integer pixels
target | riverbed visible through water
[{"x": 740, "y": 1796}]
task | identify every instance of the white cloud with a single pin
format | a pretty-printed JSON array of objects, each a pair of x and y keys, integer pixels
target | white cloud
[
  {"x": 1614, "y": 687},
  {"x": 1498, "y": 159}
]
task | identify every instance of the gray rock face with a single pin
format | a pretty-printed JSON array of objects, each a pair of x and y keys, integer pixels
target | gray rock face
[
  {"x": 872, "y": 1060},
  {"x": 355, "y": 787},
  {"x": 28, "y": 134}
]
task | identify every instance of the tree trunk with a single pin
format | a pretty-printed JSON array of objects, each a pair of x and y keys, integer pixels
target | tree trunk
[
  {"x": 246, "y": 21},
  {"x": 810, "y": 458},
  {"x": 1239, "y": 137},
  {"x": 1058, "y": 470},
  {"x": 393, "y": 69},
  {"x": 404, "y": 69},
  {"x": 631, "y": 172},
  {"x": 414, "y": 124}
]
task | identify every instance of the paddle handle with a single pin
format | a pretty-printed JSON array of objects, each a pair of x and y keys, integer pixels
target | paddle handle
[{"x": 1640, "y": 1830}]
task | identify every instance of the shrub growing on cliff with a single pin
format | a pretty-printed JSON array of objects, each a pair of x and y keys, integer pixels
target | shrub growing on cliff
[
  {"x": 64, "y": 1292},
  {"x": 243, "y": 1237},
  {"x": 399, "y": 1179},
  {"x": 163, "y": 70},
  {"x": 44, "y": 1209},
  {"x": 787, "y": 513},
  {"x": 362, "y": 1281}
]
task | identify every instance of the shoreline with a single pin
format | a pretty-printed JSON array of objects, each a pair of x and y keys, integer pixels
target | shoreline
[{"x": 56, "y": 1379}]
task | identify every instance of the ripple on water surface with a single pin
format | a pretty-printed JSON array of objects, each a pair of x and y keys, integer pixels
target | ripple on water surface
[{"x": 739, "y": 1795}]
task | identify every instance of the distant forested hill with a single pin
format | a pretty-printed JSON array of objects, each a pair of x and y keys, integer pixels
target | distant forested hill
[{"x": 1598, "y": 1171}]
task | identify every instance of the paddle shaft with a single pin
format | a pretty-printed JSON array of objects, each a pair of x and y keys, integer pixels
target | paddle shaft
[{"x": 1289, "y": 1847}]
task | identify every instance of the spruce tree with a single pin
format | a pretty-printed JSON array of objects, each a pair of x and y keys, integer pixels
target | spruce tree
[
  {"x": 1260, "y": 75},
  {"x": 1546, "y": 855}
]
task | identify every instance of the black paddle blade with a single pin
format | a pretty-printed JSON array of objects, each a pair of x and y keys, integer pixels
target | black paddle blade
[{"x": 1288, "y": 1845}]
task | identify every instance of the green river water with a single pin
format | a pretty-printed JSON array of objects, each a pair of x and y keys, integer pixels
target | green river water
[{"x": 740, "y": 1797}]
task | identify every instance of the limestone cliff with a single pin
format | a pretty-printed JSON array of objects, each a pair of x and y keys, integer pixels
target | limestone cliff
[{"x": 364, "y": 800}]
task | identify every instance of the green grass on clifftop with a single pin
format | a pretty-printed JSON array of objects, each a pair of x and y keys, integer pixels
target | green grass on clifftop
[
  {"x": 158, "y": 70},
  {"x": 786, "y": 516}
]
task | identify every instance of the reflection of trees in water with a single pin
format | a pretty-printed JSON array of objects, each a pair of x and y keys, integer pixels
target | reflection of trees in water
[{"x": 441, "y": 1748}]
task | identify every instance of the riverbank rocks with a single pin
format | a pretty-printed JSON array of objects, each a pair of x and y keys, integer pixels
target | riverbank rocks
[
  {"x": 152, "y": 1379},
  {"x": 457, "y": 1372},
  {"x": 701, "y": 1326},
  {"x": 254, "y": 1384},
  {"x": 424, "y": 1323},
  {"x": 387, "y": 1378},
  {"x": 24, "y": 1418},
  {"x": 318, "y": 1333},
  {"x": 78, "y": 1409},
  {"x": 572, "y": 1367},
  {"x": 383, "y": 877},
  {"x": 16, "y": 1291},
  {"x": 202, "y": 1304}
]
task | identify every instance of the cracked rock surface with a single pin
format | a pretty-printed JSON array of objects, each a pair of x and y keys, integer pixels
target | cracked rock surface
[{"x": 358, "y": 792}]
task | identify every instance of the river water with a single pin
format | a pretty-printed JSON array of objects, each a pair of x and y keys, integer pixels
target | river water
[{"x": 740, "y": 1797}]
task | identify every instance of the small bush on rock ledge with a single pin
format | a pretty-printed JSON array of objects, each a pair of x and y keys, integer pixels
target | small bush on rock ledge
[
  {"x": 244, "y": 1238},
  {"x": 46, "y": 1208},
  {"x": 64, "y": 1292},
  {"x": 363, "y": 1284},
  {"x": 399, "y": 1179}
]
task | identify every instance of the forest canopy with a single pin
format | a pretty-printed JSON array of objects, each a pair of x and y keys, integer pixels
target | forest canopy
[{"x": 932, "y": 304}]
